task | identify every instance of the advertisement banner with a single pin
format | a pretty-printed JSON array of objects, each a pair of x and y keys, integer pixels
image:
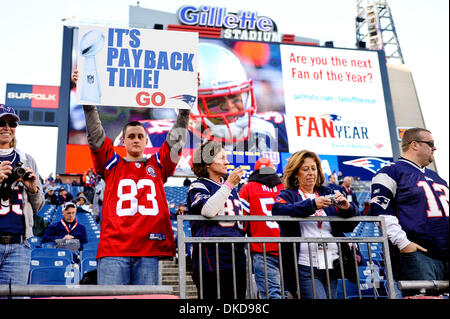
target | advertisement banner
[
  {"x": 274, "y": 99},
  {"x": 334, "y": 101},
  {"x": 32, "y": 96},
  {"x": 137, "y": 67}
]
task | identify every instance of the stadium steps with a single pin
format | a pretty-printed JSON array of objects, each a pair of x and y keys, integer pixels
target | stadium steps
[{"x": 170, "y": 278}]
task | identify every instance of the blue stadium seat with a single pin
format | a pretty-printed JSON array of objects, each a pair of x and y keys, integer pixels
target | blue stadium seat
[
  {"x": 76, "y": 190},
  {"x": 52, "y": 252},
  {"x": 48, "y": 245},
  {"x": 366, "y": 289},
  {"x": 37, "y": 262},
  {"x": 90, "y": 245},
  {"x": 88, "y": 253},
  {"x": 365, "y": 274},
  {"x": 350, "y": 289},
  {"x": 88, "y": 264},
  {"x": 35, "y": 242},
  {"x": 68, "y": 275}
]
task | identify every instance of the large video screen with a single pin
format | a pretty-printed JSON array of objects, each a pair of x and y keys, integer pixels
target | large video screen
[{"x": 266, "y": 99}]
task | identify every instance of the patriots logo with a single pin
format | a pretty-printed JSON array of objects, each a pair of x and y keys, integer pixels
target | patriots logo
[
  {"x": 380, "y": 200},
  {"x": 332, "y": 117},
  {"x": 378, "y": 145},
  {"x": 280, "y": 200},
  {"x": 151, "y": 171},
  {"x": 90, "y": 78},
  {"x": 372, "y": 164},
  {"x": 189, "y": 99},
  {"x": 199, "y": 197}
]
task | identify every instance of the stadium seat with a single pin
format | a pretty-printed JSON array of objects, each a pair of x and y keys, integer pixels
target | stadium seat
[
  {"x": 52, "y": 252},
  {"x": 38, "y": 262},
  {"x": 68, "y": 275},
  {"x": 365, "y": 274},
  {"x": 48, "y": 245},
  {"x": 88, "y": 253},
  {"x": 366, "y": 289},
  {"x": 91, "y": 244},
  {"x": 88, "y": 264},
  {"x": 76, "y": 189},
  {"x": 35, "y": 242},
  {"x": 350, "y": 289}
]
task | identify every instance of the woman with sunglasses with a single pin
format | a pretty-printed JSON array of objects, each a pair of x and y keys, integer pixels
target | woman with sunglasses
[{"x": 20, "y": 194}]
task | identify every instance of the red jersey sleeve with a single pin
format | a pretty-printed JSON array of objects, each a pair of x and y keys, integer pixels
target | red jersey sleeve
[
  {"x": 105, "y": 157},
  {"x": 167, "y": 162}
]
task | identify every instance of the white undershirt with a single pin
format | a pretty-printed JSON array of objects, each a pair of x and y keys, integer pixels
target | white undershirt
[
  {"x": 311, "y": 229},
  {"x": 5, "y": 151}
]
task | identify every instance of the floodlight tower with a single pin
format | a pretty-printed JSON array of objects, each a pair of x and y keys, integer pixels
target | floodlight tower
[{"x": 375, "y": 28}]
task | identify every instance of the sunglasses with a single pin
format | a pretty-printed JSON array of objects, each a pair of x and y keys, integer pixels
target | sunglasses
[
  {"x": 429, "y": 143},
  {"x": 11, "y": 124}
]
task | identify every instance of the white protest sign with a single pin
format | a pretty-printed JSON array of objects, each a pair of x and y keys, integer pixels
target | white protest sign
[
  {"x": 137, "y": 67},
  {"x": 334, "y": 100}
]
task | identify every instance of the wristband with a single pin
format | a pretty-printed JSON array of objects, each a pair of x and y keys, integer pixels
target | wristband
[{"x": 229, "y": 185}]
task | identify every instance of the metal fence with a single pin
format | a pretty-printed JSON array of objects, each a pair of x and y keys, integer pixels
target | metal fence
[
  {"x": 83, "y": 290},
  {"x": 183, "y": 240}
]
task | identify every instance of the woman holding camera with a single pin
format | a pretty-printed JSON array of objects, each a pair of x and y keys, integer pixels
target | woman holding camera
[
  {"x": 304, "y": 195},
  {"x": 212, "y": 195}
]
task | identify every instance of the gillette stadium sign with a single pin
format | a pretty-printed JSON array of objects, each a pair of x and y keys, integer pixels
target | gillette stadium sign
[{"x": 244, "y": 25}]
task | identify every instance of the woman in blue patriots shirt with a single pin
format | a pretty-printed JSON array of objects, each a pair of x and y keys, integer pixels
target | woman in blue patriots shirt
[
  {"x": 19, "y": 198},
  {"x": 414, "y": 202},
  {"x": 211, "y": 195},
  {"x": 303, "y": 196}
]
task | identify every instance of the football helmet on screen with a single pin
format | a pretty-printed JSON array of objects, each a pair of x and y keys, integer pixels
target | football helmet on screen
[{"x": 226, "y": 101}]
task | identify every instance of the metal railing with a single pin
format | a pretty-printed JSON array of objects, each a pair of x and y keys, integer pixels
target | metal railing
[
  {"x": 82, "y": 290},
  {"x": 382, "y": 239},
  {"x": 424, "y": 285}
]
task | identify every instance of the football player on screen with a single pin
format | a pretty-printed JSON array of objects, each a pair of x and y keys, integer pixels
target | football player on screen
[{"x": 226, "y": 109}]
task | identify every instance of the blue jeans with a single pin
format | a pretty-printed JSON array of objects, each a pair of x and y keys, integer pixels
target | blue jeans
[
  {"x": 273, "y": 275},
  {"x": 418, "y": 266},
  {"x": 15, "y": 263},
  {"x": 320, "y": 282},
  {"x": 127, "y": 271}
]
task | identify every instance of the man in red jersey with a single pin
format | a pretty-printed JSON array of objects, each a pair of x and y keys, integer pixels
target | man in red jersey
[
  {"x": 257, "y": 197},
  {"x": 135, "y": 229}
]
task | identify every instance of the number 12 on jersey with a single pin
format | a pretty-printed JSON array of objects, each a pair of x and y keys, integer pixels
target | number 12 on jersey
[{"x": 433, "y": 208}]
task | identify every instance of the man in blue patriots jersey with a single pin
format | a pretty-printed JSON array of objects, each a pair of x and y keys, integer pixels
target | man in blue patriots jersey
[
  {"x": 414, "y": 201},
  {"x": 210, "y": 195},
  {"x": 21, "y": 196}
]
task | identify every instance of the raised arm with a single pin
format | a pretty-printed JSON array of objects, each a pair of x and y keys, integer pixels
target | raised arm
[{"x": 95, "y": 133}]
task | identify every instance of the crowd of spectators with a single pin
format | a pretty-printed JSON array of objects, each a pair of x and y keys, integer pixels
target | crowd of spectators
[{"x": 301, "y": 191}]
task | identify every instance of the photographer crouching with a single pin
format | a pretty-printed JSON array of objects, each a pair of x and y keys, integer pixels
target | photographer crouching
[{"x": 21, "y": 196}]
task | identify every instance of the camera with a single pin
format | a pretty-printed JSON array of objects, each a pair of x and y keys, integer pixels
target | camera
[
  {"x": 333, "y": 198},
  {"x": 18, "y": 172}
]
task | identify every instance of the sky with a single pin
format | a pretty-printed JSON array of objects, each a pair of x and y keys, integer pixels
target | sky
[{"x": 31, "y": 34}]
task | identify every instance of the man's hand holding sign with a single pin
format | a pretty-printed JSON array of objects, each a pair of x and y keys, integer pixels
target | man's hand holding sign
[{"x": 136, "y": 68}]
